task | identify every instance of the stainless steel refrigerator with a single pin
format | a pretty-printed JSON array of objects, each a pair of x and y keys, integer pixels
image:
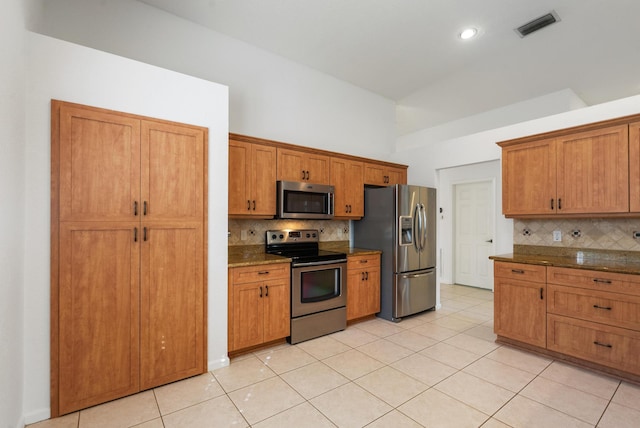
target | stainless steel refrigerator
[{"x": 400, "y": 220}]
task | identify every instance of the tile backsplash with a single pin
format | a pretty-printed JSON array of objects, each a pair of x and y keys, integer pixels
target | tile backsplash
[
  {"x": 252, "y": 232},
  {"x": 602, "y": 234}
]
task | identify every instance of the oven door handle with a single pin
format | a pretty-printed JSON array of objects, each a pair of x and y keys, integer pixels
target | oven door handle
[{"x": 328, "y": 262}]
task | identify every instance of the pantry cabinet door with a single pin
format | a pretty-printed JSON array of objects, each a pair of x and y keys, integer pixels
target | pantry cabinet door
[
  {"x": 99, "y": 163},
  {"x": 98, "y": 326},
  {"x": 173, "y": 165},
  {"x": 172, "y": 304}
]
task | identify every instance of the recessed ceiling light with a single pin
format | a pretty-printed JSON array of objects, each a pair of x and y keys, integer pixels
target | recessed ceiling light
[{"x": 468, "y": 33}]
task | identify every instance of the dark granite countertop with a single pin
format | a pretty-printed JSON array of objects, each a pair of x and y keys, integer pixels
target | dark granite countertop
[
  {"x": 252, "y": 255},
  {"x": 576, "y": 258}
]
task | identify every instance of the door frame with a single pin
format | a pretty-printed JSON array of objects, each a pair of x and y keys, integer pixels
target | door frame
[{"x": 454, "y": 216}]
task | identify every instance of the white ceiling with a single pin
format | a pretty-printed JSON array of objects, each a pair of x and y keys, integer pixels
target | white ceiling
[{"x": 409, "y": 50}]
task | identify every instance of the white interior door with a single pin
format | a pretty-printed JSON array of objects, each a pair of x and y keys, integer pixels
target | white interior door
[{"x": 474, "y": 230}]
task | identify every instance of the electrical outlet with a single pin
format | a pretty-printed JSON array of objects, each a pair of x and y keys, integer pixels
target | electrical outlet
[{"x": 557, "y": 236}]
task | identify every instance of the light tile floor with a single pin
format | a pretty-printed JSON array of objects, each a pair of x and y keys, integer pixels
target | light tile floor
[{"x": 436, "y": 369}]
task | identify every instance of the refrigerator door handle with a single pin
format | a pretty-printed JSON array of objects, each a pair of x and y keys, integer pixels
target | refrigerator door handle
[
  {"x": 417, "y": 275},
  {"x": 417, "y": 228},
  {"x": 423, "y": 234}
]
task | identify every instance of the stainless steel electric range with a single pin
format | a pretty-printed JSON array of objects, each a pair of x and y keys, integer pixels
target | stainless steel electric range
[{"x": 318, "y": 283}]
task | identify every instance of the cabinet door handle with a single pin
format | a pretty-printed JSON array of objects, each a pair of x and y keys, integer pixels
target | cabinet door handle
[
  {"x": 303, "y": 174},
  {"x": 367, "y": 276},
  {"x": 135, "y": 207},
  {"x": 559, "y": 203},
  {"x": 261, "y": 291},
  {"x": 248, "y": 205},
  {"x": 361, "y": 276},
  {"x": 144, "y": 234},
  {"x": 551, "y": 204},
  {"x": 605, "y": 345},
  {"x": 267, "y": 294},
  {"x": 541, "y": 293},
  {"x": 606, "y": 308},
  {"x": 254, "y": 205},
  {"x": 602, "y": 281},
  {"x": 307, "y": 175},
  {"x": 144, "y": 208},
  {"x": 135, "y": 234},
  {"x": 518, "y": 271}
]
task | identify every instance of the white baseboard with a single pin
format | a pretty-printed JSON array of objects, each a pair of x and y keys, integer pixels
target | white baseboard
[
  {"x": 37, "y": 416},
  {"x": 219, "y": 363}
]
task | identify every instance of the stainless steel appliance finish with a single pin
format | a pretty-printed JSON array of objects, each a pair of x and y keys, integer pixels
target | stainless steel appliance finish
[
  {"x": 400, "y": 220},
  {"x": 298, "y": 200},
  {"x": 318, "y": 283}
]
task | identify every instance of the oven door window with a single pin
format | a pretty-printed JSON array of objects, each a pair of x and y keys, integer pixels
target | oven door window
[{"x": 320, "y": 285}]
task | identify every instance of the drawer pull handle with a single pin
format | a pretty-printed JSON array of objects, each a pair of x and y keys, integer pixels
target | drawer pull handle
[
  {"x": 263, "y": 272},
  {"x": 602, "y": 281},
  {"x": 607, "y": 308},
  {"x": 605, "y": 345},
  {"x": 520, "y": 271},
  {"x": 364, "y": 261}
]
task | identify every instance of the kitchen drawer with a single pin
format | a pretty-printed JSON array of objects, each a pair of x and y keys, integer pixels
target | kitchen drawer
[
  {"x": 520, "y": 271},
  {"x": 595, "y": 280},
  {"x": 363, "y": 262},
  {"x": 599, "y": 306},
  {"x": 609, "y": 346},
  {"x": 241, "y": 275}
]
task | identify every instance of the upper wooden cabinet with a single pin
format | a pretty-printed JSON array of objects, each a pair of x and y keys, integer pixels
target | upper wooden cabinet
[
  {"x": 384, "y": 175},
  {"x": 529, "y": 178},
  {"x": 347, "y": 176},
  {"x": 634, "y": 167},
  {"x": 294, "y": 165},
  {"x": 256, "y": 164},
  {"x": 581, "y": 173},
  {"x": 252, "y": 179}
]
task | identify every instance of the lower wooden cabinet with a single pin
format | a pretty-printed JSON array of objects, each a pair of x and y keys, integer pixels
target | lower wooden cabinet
[
  {"x": 610, "y": 346},
  {"x": 579, "y": 314},
  {"x": 519, "y": 302},
  {"x": 259, "y": 305},
  {"x": 363, "y": 286}
]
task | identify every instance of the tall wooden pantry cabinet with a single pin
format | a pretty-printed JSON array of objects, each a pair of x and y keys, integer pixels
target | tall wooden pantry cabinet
[{"x": 128, "y": 254}]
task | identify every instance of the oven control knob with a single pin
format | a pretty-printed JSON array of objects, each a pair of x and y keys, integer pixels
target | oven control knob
[
  {"x": 273, "y": 236},
  {"x": 281, "y": 236},
  {"x": 308, "y": 235},
  {"x": 313, "y": 234}
]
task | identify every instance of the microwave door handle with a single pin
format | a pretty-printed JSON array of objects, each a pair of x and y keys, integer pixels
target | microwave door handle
[{"x": 331, "y": 202}]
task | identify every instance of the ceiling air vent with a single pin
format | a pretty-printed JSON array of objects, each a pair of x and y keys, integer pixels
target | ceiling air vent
[{"x": 537, "y": 24}]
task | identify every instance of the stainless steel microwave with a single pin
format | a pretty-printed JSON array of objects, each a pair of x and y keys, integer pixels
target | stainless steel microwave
[{"x": 305, "y": 200}]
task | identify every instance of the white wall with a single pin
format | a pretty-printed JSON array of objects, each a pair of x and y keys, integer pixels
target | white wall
[
  {"x": 426, "y": 157},
  {"x": 269, "y": 97},
  {"x": 69, "y": 72},
  {"x": 12, "y": 199}
]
